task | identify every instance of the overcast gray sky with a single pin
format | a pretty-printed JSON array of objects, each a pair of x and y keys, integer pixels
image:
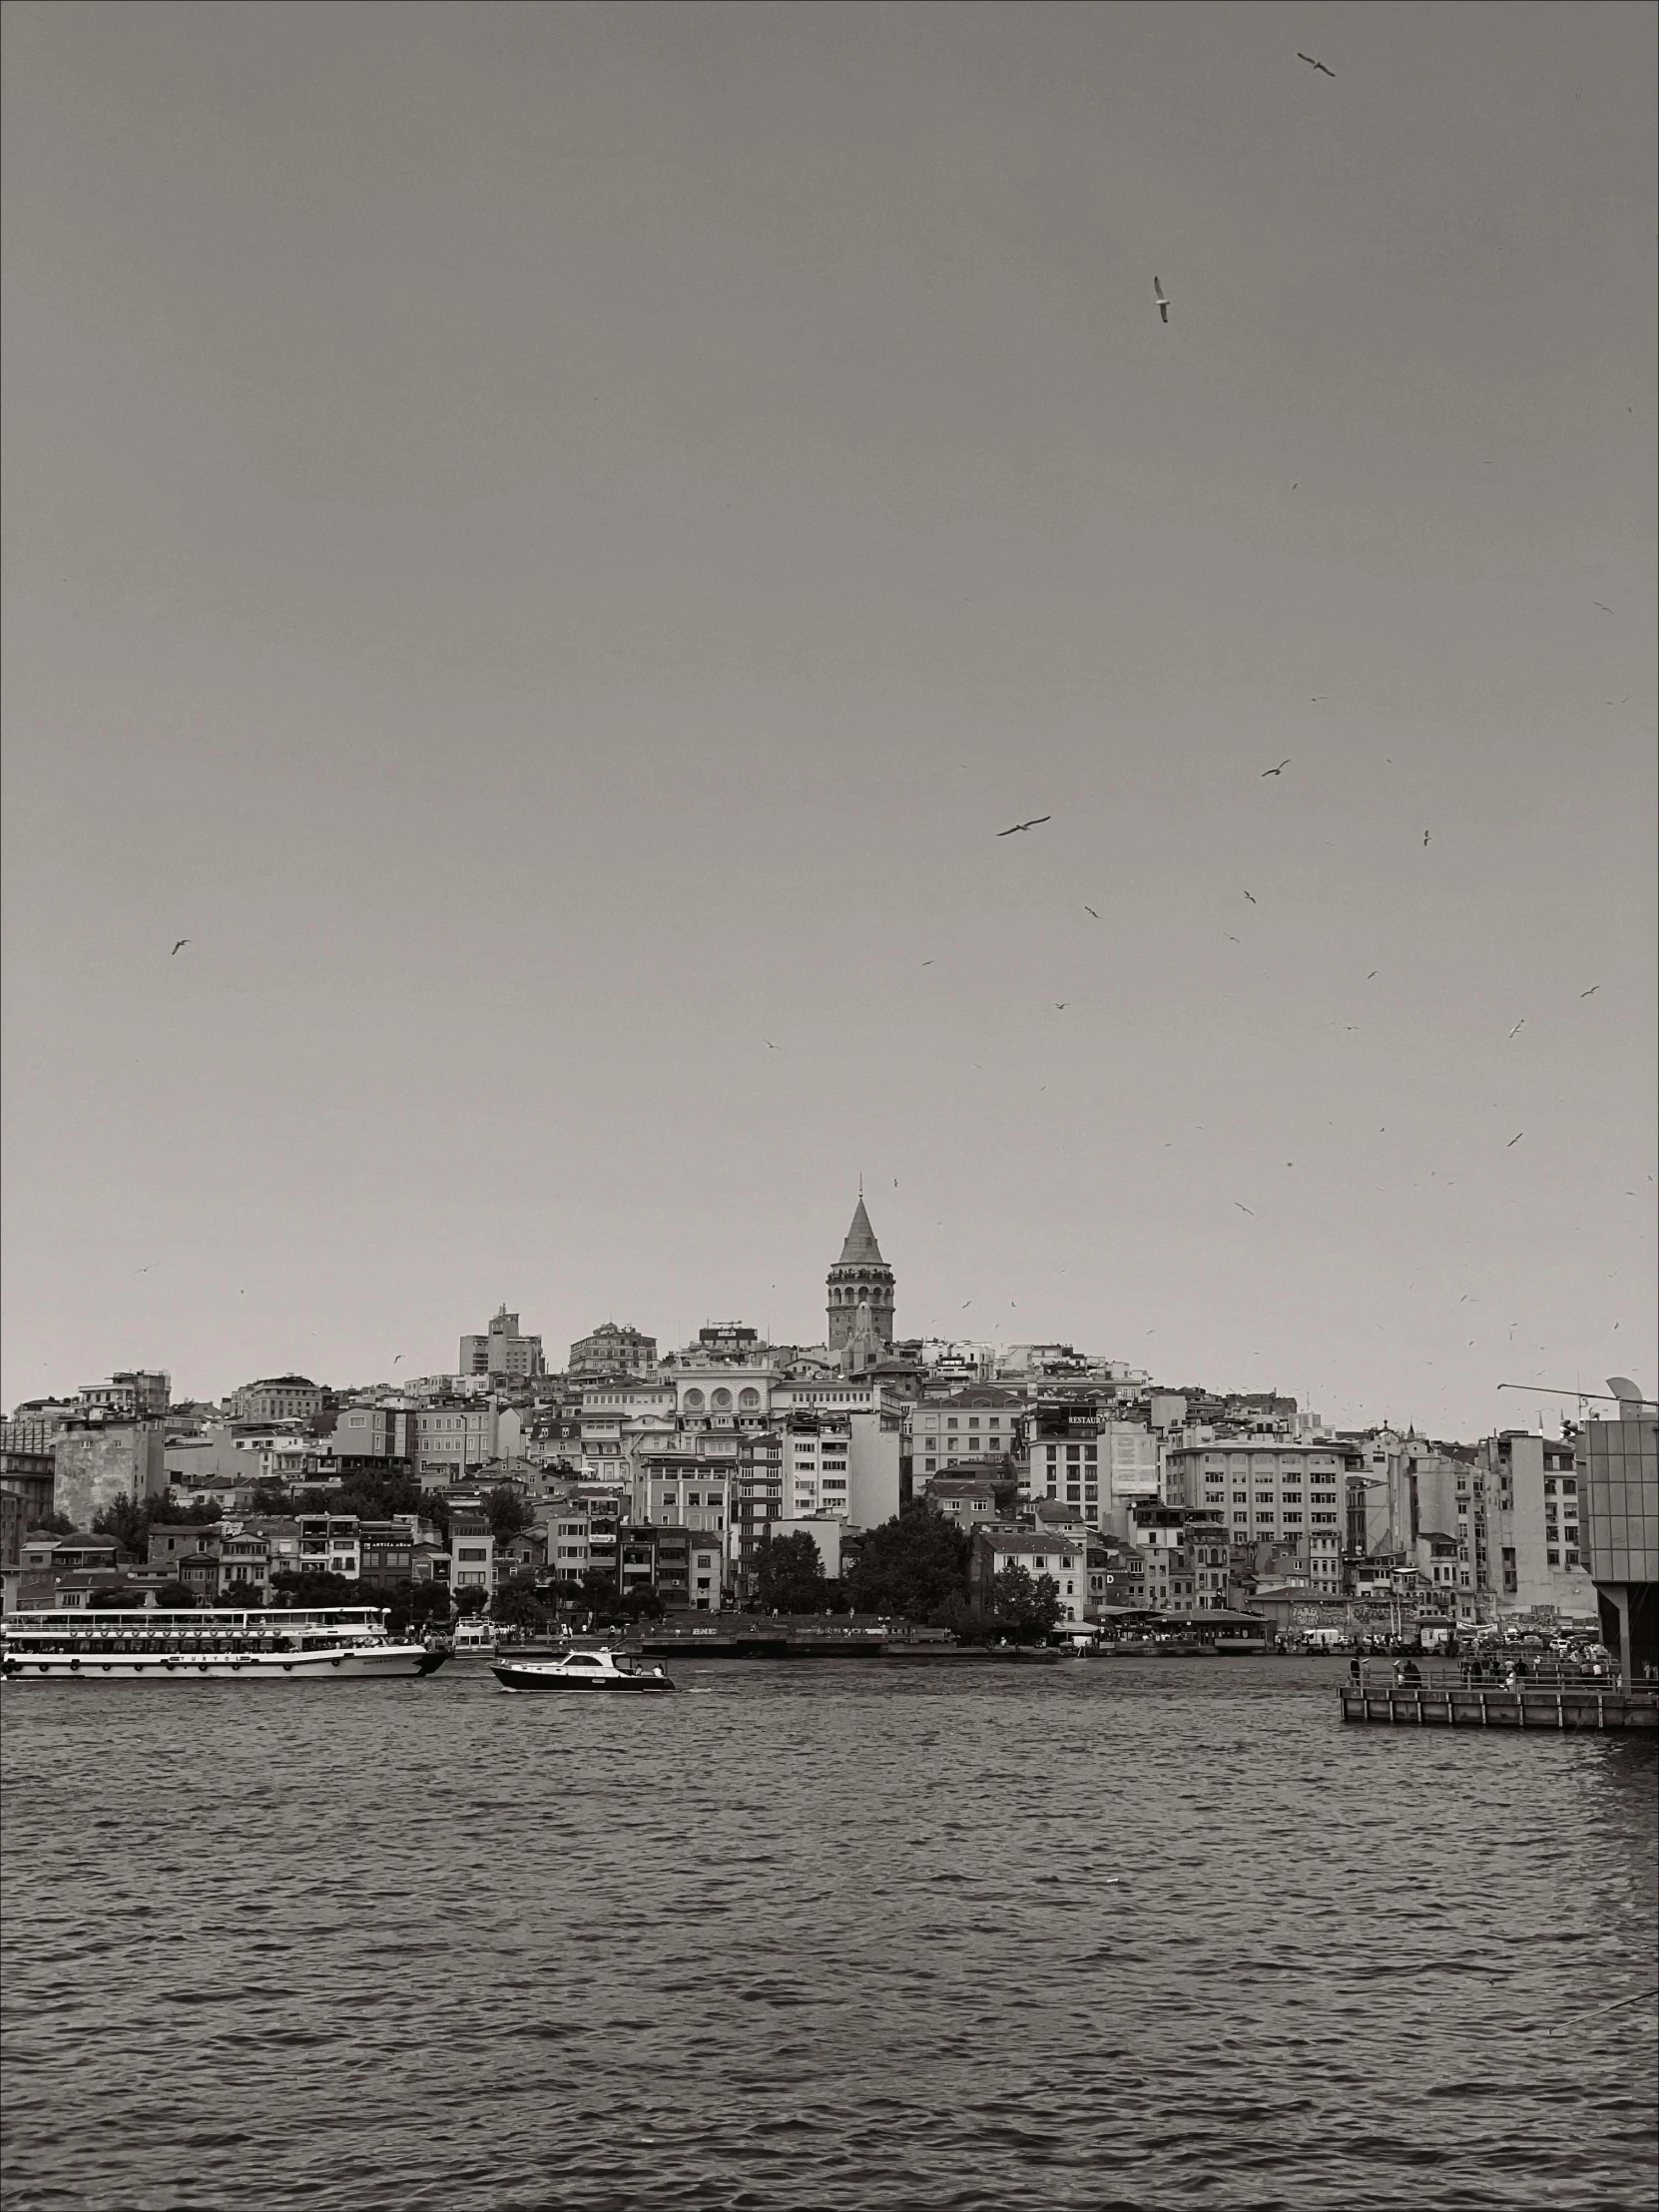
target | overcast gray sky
[{"x": 548, "y": 541}]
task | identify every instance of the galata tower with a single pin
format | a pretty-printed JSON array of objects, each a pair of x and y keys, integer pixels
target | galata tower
[{"x": 860, "y": 1275}]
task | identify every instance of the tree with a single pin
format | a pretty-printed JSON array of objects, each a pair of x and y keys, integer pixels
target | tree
[
  {"x": 175, "y": 1597},
  {"x": 1024, "y": 1610},
  {"x": 312, "y": 1586},
  {"x": 245, "y": 1596},
  {"x": 130, "y": 1519},
  {"x": 516, "y": 1607},
  {"x": 600, "y": 1596},
  {"x": 965, "y": 1623},
  {"x": 414, "y": 1604},
  {"x": 509, "y": 1512},
  {"x": 640, "y": 1606},
  {"x": 471, "y": 1601},
  {"x": 109, "y": 1596},
  {"x": 789, "y": 1575},
  {"x": 52, "y": 1524},
  {"x": 911, "y": 1565},
  {"x": 274, "y": 1499}
]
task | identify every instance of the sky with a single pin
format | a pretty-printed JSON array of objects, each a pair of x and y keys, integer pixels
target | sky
[{"x": 548, "y": 541}]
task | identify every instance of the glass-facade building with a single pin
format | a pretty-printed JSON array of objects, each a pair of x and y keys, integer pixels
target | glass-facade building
[{"x": 1617, "y": 1463}]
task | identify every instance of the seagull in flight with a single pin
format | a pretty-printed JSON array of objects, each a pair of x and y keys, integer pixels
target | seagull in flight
[
  {"x": 1521, "y": 1025},
  {"x": 177, "y": 949},
  {"x": 1591, "y": 993},
  {"x": 1514, "y": 1140},
  {"x": 1090, "y": 911},
  {"x": 1425, "y": 837},
  {"x": 400, "y": 1356},
  {"x": 1017, "y": 827},
  {"x": 1060, "y": 1005},
  {"x": 1279, "y": 771},
  {"x": 1606, "y": 610},
  {"x": 1311, "y": 64},
  {"x": 1162, "y": 299},
  {"x": 1251, "y": 896},
  {"x": 1244, "y": 1209}
]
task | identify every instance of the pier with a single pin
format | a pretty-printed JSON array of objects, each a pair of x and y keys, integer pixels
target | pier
[{"x": 1453, "y": 1700}]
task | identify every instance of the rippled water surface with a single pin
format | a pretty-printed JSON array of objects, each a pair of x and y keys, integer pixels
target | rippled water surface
[{"x": 1112, "y": 1935}]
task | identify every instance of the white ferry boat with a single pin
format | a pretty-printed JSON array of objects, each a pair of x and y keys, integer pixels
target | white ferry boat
[
  {"x": 334, "y": 1644},
  {"x": 601, "y": 1669}
]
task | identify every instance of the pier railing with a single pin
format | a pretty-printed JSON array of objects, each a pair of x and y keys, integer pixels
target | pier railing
[{"x": 1457, "y": 1695}]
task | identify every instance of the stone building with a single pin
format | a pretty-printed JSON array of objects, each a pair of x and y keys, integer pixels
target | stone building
[{"x": 860, "y": 1277}]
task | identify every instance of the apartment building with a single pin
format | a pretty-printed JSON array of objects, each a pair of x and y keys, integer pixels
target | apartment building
[
  {"x": 973, "y": 1424},
  {"x": 1268, "y": 1488}
]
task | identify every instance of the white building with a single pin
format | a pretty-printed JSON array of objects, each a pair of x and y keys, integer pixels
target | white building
[
  {"x": 1062, "y": 1554},
  {"x": 1267, "y": 1489},
  {"x": 973, "y": 1424}
]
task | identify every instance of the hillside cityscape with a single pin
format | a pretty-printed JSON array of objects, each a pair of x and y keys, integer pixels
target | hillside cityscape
[{"x": 977, "y": 1488}]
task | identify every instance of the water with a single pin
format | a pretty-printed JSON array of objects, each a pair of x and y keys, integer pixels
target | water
[{"x": 1117, "y": 1935}]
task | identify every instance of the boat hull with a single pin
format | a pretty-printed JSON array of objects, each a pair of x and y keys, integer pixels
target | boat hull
[
  {"x": 541, "y": 1679},
  {"x": 394, "y": 1662}
]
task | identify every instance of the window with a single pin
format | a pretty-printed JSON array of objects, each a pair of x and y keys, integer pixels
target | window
[
  {"x": 694, "y": 1401},
  {"x": 1552, "y": 1558}
]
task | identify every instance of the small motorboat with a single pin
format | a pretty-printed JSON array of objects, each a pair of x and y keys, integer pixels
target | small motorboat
[{"x": 603, "y": 1669}]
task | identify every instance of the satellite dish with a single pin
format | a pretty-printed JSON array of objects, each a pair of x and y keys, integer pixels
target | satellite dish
[{"x": 1622, "y": 1388}]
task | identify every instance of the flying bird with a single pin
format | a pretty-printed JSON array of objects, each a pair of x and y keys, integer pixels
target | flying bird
[
  {"x": 1311, "y": 64},
  {"x": 1425, "y": 837},
  {"x": 927, "y": 963},
  {"x": 146, "y": 1269},
  {"x": 766, "y": 1041},
  {"x": 1244, "y": 1209},
  {"x": 1251, "y": 896},
  {"x": 1591, "y": 993},
  {"x": 1606, "y": 610},
  {"x": 1090, "y": 911},
  {"x": 1228, "y": 934},
  {"x": 1060, "y": 1005},
  {"x": 1017, "y": 827},
  {"x": 400, "y": 1356},
  {"x": 1279, "y": 771},
  {"x": 1162, "y": 299},
  {"x": 1521, "y": 1025},
  {"x": 1372, "y": 977},
  {"x": 1514, "y": 1140},
  {"x": 177, "y": 949}
]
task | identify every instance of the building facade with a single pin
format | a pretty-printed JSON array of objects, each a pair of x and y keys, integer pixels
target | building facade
[
  {"x": 278, "y": 1397},
  {"x": 1617, "y": 1472},
  {"x": 615, "y": 1347},
  {"x": 502, "y": 1354}
]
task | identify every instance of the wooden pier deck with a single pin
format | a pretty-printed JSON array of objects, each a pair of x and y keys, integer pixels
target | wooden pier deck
[{"x": 1593, "y": 1709}]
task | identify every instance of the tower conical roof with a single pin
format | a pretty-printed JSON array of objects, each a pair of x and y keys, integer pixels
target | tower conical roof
[{"x": 860, "y": 1247}]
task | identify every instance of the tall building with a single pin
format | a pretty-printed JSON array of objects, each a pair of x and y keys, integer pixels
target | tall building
[
  {"x": 860, "y": 1277},
  {"x": 502, "y": 1354}
]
